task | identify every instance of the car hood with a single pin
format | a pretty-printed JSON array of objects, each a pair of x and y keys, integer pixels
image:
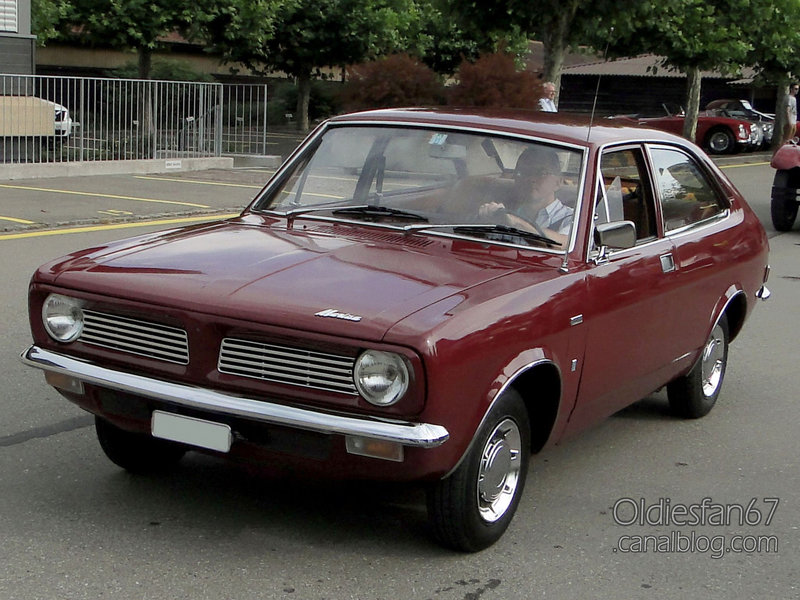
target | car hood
[{"x": 348, "y": 280}]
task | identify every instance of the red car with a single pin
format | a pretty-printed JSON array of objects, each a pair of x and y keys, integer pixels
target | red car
[
  {"x": 416, "y": 295},
  {"x": 716, "y": 133}
]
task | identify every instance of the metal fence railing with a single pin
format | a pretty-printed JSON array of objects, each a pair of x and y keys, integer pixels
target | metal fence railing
[{"x": 61, "y": 119}]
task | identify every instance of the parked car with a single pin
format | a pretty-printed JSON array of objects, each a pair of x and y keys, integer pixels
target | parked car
[
  {"x": 742, "y": 109},
  {"x": 390, "y": 307},
  {"x": 717, "y": 134},
  {"x": 33, "y": 117}
]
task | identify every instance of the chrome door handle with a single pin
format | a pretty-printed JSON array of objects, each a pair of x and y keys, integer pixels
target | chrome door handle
[{"x": 667, "y": 263}]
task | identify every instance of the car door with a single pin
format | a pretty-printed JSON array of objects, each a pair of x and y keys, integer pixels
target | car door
[
  {"x": 697, "y": 219},
  {"x": 630, "y": 310}
]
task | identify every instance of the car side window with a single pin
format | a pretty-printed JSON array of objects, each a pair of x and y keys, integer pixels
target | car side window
[
  {"x": 625, "y": 193},
  {"x": 687, "y": 197}
]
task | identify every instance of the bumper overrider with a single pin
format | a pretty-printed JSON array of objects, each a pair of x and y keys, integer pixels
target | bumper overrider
[{"x": 362, "y": 427}]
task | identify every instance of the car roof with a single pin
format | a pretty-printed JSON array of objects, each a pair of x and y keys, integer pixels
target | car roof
[{"x": 561, "y": 127}]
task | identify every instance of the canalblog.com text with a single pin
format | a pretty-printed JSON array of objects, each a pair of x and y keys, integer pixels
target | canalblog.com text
[{"x": 630, "y": 512}]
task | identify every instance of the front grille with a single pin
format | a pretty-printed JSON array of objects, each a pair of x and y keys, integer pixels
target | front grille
[
  {"x": 284, "y": 364},
  {"x": 143, "y": 338}
]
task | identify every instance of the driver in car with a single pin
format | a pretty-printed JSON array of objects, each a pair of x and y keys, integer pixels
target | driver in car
[{"x": 533, "y": 205}]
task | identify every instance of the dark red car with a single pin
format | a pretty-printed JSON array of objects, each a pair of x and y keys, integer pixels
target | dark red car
[
  {"x": 416, "y": 295},
  {"x": 718, "y": 134}
]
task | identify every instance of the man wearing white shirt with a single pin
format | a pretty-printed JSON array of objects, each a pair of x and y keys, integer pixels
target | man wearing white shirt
[{"x": 546, "y": 104}]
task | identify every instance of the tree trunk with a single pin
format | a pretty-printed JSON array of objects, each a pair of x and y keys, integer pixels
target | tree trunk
[
  {"x": 554, "y": 42},
  {"x": 780, "y": 117},
  {"x": 303, "y": 98},
  {"x": 693, "y": 82},
  {"x": 147, "y": 131},
  {"x": 145, "y": 62}
]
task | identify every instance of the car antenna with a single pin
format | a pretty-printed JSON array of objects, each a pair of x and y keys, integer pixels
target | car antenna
[
  {"x": 597, "y": 87},
  {"x": 565, "y": 263}
]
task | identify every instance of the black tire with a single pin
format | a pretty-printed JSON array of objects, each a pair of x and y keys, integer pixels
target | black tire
[
  {"x": 471, "y": 509},
  {"x": 720, "y": 141},
  {"x": 693, "y": 395},
  {"x": 136, "y": 452},
  {"x": 783, "y": 205}
]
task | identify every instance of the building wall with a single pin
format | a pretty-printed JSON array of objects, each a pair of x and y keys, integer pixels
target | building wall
[{"x": 17, "y": 45}]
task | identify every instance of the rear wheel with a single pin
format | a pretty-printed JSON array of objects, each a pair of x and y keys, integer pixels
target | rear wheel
[
  {"x": 693, "y": 395},
  {"x": 136, "y": 452},
  {"x": 471, "y": 509}
]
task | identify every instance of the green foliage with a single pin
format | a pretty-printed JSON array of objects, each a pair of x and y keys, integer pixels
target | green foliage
[
  {"x": 397, "y": 80},
  {"x": 129, "y": 23},
  {"x": 493, "y": 80},
  {"x": 46, "y": 17},
  {"x": 323, "y": 101},
  {"x": 164, "y": 69}
]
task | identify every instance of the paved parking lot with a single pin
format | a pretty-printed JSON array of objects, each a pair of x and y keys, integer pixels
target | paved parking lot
[{"x": 54, "y": 202}]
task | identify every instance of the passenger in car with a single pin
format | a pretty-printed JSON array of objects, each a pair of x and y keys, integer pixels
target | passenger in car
[{"x": 532, "y": 204}]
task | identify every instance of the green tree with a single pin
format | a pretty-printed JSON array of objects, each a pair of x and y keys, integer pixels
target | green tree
[
  {"x": 307, "y": 35},
  {"x": 558, "y": 24},
  {"x": 711, "y": 35},
  {"x": 46, "y": 19},
  {"x": 692, "y": 36},
  {"x": 138, "y": 25}
]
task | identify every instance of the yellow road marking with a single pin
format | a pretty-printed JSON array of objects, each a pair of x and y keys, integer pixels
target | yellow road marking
[
  {"x": 13, "y": 220},
  {"x": 96, "y": 195},
  {"x": 92, "y": 228},
  {"x": 243, "y": 185},
  {"x": 758, "y": 164}
]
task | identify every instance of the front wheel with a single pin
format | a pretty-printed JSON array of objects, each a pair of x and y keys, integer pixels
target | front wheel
[
  {"x": 136, "y": 452},
  {"x": 693, "y": 395},
  {"x": 471, "y": 508},
  {"x": 783, "y": 204},
  {"x": 720, "y": 141}
]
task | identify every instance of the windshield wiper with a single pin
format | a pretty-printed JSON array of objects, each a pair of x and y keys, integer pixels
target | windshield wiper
[
  {"x": 293, "y": 213},
  {"x": 504, "y": 230},
  {"x": 372, "y": 210}
]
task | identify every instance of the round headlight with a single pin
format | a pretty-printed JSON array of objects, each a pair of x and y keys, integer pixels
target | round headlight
[
  {"x": 62, "y": 317},
  {"x": 381, "y": 377}
]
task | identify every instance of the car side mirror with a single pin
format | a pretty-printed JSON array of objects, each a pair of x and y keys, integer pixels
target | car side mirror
[{"x": 616, "y": 234}]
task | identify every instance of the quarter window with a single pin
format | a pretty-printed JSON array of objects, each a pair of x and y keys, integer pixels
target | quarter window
[{"x": 687, "y": 197}]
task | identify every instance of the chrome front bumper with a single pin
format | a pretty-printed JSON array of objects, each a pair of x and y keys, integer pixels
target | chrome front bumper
[{"x": 420, "y": 435}]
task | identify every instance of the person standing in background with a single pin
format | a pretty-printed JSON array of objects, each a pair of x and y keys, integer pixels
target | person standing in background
[
  {"x": 546, "y": 103},
  {"x": 790, "y": 124}
]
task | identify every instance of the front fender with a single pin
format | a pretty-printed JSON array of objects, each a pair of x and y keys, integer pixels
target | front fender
[{"x": 787, "y": 157}]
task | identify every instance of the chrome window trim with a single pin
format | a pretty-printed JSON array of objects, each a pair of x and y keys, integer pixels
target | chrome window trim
[{"x": 645, "y": 145}]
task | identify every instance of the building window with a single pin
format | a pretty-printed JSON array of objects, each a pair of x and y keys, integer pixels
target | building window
[{"x": 8, "y": 15}]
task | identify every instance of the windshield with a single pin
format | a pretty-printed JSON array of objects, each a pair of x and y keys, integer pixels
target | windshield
[{"x": 435, "y": 180}]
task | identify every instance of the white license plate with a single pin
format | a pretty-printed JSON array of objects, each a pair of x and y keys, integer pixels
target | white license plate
[{"x": 188, "y": 430}]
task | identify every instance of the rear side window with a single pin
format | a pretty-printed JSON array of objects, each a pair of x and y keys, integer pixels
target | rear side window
[{"x": 687, "y": 197}]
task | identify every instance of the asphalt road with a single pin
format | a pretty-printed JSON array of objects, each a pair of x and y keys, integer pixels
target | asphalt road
[{"x": 76, "y": 527}]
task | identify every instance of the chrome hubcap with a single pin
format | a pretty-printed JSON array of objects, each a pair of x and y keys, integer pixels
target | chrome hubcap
[
  {"x": 713, "y": 362},
  {"x": 498, "y": 474},
  {"x": 718, "y": 142}
]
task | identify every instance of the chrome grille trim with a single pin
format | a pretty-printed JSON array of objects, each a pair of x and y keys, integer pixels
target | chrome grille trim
[
  {"x": 133, "y": 336},
  {"x": 284, "y": 364}
]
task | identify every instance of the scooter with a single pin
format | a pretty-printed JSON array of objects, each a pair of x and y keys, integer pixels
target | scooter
[{"x": 785, "y": 186}]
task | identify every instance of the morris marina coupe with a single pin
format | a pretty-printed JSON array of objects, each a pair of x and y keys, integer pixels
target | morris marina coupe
[{"x": 416, "y": 295}]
